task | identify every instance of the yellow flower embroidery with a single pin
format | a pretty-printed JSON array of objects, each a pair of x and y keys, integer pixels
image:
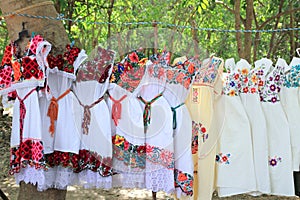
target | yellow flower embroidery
[
  {"x": 232, "y": 93},
  {"x": 254, "y": 78},
  {"x": 119, "y": 140},
  {"x": 245, "y": 71}
]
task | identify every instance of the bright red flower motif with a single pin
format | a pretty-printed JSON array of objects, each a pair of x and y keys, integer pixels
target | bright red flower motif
[
  {"x": 253, "y": 90},
  {"x": 245, "y": 90},
  {"x": 134, "y": 57},
  {"x": 224, "y": 158},
  {"x": 203, "y": 130},
  {"x": 141, "y": 149},
  {"x": 236, "y": 76},
  {"x": 127, "y": 66}
]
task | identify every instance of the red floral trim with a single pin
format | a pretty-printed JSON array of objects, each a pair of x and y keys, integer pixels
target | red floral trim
[
  {"x": 184, "y": 181},
  {"x": 32, "y": 154},
  {"x": 64, "y": 62},
  {"x": 78, "y": 162}
]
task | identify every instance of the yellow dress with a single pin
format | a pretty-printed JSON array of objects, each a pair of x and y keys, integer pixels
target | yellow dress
[{"x": 205, "y": 92}]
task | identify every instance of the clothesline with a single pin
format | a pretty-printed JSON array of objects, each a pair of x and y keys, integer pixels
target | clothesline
[{"x": 61, "y": 17}]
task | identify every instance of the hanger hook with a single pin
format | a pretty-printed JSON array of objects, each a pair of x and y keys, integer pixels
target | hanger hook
[{"x": 298, "y": 51}]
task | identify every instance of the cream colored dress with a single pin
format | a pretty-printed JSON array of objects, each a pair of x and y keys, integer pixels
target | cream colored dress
[{"x": 201, "y": 104}]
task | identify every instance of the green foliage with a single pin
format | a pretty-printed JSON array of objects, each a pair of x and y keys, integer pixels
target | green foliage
[{"x": 201, "y": 13}]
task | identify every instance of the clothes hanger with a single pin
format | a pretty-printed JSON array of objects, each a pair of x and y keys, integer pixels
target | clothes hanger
[
  {"x": 295, "y": 61},
  {"x": 23, "y": 34}
]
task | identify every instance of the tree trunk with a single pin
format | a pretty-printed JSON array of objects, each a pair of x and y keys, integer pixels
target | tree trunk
[
  {"x": 54, "y": 32},
  {"x": 238, "y": 35},
  {"x": 248, "y": 26}
]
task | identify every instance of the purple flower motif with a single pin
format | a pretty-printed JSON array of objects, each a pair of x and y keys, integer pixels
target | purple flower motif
[
  {"x": 213, "y": 75},
  {"x": 272, "y": 87},
  {"x": 232, "y": 84},
  {"x": 277, "y": 77},
  {"x": 271, "y": 78},
  {"x": 273, "y": 99},
  {"x": 273, "y": 162}
]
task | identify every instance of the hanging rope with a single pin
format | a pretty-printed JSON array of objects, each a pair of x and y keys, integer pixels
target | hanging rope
[{"x": 60, "y": 17}]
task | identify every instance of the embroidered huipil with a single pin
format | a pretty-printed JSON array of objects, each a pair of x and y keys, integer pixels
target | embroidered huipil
[
  {"x": 251, "y": 103},
  {"x": 26, "y": 138},
  {"x": 179, "y": 79},
  {"x": 279, "y": 144},
  {"x": 93, "y": 119},
  {"x": 129, "y": 155},
  {"x": 201, "y": 102},
  {"x": 60, "y": 136},
  {"x": 290, "y": 101},
  {"x": 234, "y": 160}
]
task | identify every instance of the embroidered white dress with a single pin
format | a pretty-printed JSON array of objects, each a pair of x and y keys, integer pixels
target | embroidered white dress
[
  {"x": 145, "y": 144},
  {"x": 92, "y": 117},
  {"x": 26, "y": 138},
  {"x": 280, "y": 155},
  {"x": 251, "y": 102},
  {"x": 179, "y": 80},
  {"x": 60, "y": 134},
  {"x": 129, "y": 154},
  {"x": 235, "y": 166},
  {"x": 291, "y": 104}
]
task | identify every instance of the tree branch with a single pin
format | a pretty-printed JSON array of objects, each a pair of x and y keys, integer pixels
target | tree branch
[
  {"x": 271, "y": 45},
  {"x": 276, "y": 16},
  {"x": 230, "y": 10}
]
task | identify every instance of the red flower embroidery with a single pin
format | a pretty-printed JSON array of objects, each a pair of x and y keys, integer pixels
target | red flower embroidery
[{"x": 134, "y": 57}]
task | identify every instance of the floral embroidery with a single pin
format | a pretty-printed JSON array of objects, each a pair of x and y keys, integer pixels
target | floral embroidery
[
  {"x": 184, "y": 181},
  {"x": 129, "y": 73},
  {"x": 197, "y": 130},
  {"x": 64, "y": 62},
  {"x": 32, "y": 154},
  {"x": 195, "y": 93},
  {"x": 98, "y": 68},
  {"x": 223, "y": 158},
  {"x": 292, "y": 78},
  {"x": 274, "y": 161},
  {"x": 273, "y": 83},
  {"x": 208, "y": 76},
  {"x": 85, "y": 160},
  {"x": 232, "y": 84},
  {"x": 136, "y": 155}
]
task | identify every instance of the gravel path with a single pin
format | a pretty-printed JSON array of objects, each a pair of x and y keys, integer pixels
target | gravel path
[{"x": 9, "y": 187}]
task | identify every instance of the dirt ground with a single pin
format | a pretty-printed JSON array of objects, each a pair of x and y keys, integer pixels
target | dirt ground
[{"x": 8, "y": 186}]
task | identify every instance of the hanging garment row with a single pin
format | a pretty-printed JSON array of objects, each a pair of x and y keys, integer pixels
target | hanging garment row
[{"x": 144, "y": 123}]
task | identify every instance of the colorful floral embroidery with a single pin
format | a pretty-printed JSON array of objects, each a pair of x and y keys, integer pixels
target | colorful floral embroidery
[
  {"x": 129, "y": 73},
  {"x": 198, "y": 130},
  {"x": 274, "y": 161},
  {"x": 184, "y": 181},
  {"x": 98, "y": 68},
  {"x": 32, "y": 154},
  {"x": 232, "y": 84},
  {"x": 136, "y": 155},
  {"x": 223, "y": 158},
  {"x": 292, "y": 78},
  {"x": 85, "y": 160},
  {"x": 273, "y": 84},
  {"x": 208, "y": 76}
]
